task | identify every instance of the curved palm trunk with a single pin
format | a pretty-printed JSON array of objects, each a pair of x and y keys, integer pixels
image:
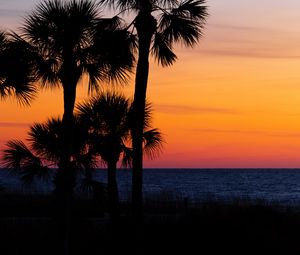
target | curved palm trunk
[
  {"x": 146, "y": 25},
  {"x": 113, "y": 194}
]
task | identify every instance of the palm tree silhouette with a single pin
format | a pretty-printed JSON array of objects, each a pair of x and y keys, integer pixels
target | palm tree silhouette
[
  {"x": 64, "y": 41},
  {"x": 34, "y": 161},
  {"x": 102, "y": 127},
  {"x": 110, "y": 121},
  {"x": 59, "y": 43},
  {"x": 69, "y": 40},
  {"x": 46, "y": 147},
  {"x": 16, "y": 77},
  {"x": 158, "y": 25}
]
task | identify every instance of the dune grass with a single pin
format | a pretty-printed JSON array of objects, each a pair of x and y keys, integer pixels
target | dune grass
[{"x": 172, "y": 225}]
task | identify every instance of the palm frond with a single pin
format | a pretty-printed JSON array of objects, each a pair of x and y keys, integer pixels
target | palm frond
[
  {"x": 122, "y": 5},
  {"x": 24, "y": 93},
  {"x": 3, "y": 41},
  {"x": 148, "y": 115},
  {"x": 97, "y": 189},
  {"x": 45, "y": 26},
  {"x": 162, "y": 50},
  {"x": 29, "y": 173},
  {"x": 194, "y": 9},
  {"x": 18, "y": 155},
  {"x": 24, "y": 163},
  {"x": 109, "y": 23},
  {"x": 71, "y": 39},
  {"x": 82, "y": 19},
  {"x": 153, "y": 142},
  {"x": 108, "y": 110},
  {"x": 179, "y": 29},
  {"x": 166, "y": 4},
  {"x": 45, "y": 139},
  {"x": 111, "y": 56},
  {"x": 85, "y": 161},
  {"x": 48, "y": 70},
  {"x": 96, "y": 74},
  {"x": 55, "y": 25},
  {"x": 17, "y": 70},
  {"x": 61, "y": 31},
  {"x": 85, "y": 111},
  {"x": 116, "y": 58},
  {"x": 85, "y": 186},
  {"x": 127, "y": 157},
  {"x": 185, "y": 23},
  {"x": 107, "y": 116}
]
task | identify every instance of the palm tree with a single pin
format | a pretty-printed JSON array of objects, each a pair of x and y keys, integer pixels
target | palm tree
[
  {"x": 16, "y": 76},
  {"x": 70, "y": 40},
  {"x": 102, "y": 127},
  {"x": 63, "y": 41},
  {"x": 158, "y": 25},
  {"x": 109, "y": 118},
  {"x": 34, "y": 161},
  {"x": 45, "y": 150}
]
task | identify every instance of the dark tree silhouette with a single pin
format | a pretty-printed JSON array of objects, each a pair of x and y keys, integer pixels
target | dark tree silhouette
[
  {"x": 44, "y": 149},
  {"x": 65, "y": 40},
  {"x": 16, "y": 76},
  {"x": 109, "y": 119},
  {"x": 70, "y": 40},
  {"x": 158, "y": 25},
  {"x": 43, "y": 152},
  {"x": 102, "y": 128}
]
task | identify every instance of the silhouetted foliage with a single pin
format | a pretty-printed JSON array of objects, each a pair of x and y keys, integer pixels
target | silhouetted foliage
[
  {"x": 60, "y": 43},
  {"x": 110, "y": 121},
  {"x": 158, "y": 25},
  {"x": 101, "y": 130},
  {"x": 17, "y": 76},
  {"x": 44, "y": 149}
]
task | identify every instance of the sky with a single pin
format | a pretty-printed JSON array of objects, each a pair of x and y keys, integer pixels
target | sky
[{"x": 231, "y": 101}]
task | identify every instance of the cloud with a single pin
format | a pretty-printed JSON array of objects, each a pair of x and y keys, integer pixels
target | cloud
[
  {"x": 250, "y": 42},
  {"x": 250, "y": 132},
  {"x": 212, "y": 130},
  {"x": 186, "y": 109},
  {"x": 13, "y": 124},
  {"x": 235, "y": 27},
  {"x": 295, "y": 135},
  {"x": 246, "y": 28},
  {"x": 250, "y": 53}
]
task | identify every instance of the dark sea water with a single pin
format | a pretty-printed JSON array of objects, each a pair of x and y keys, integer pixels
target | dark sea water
[{"x": 279, "y": 185}]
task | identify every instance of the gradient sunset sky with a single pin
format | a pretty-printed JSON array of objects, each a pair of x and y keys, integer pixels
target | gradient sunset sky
[{"x": 232, "y": 101}]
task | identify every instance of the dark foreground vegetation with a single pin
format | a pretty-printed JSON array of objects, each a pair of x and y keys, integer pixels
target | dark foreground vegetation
[{"x": 171, "y": 226}]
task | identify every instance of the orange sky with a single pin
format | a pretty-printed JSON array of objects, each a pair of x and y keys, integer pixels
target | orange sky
[{"x": 232, "y": 101}]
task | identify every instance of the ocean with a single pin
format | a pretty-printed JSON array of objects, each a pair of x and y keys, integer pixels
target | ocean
[{"x": 275, "y": 185}]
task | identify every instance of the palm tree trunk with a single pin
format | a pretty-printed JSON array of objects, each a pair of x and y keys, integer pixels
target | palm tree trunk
[
  {"x": 113, "y": 194},
  {"x": 146, "y": 25},
  {"x": 69, "y": 80},
  {"x": 65, "y": 168},
  {"x": 65, "y": 178}
]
